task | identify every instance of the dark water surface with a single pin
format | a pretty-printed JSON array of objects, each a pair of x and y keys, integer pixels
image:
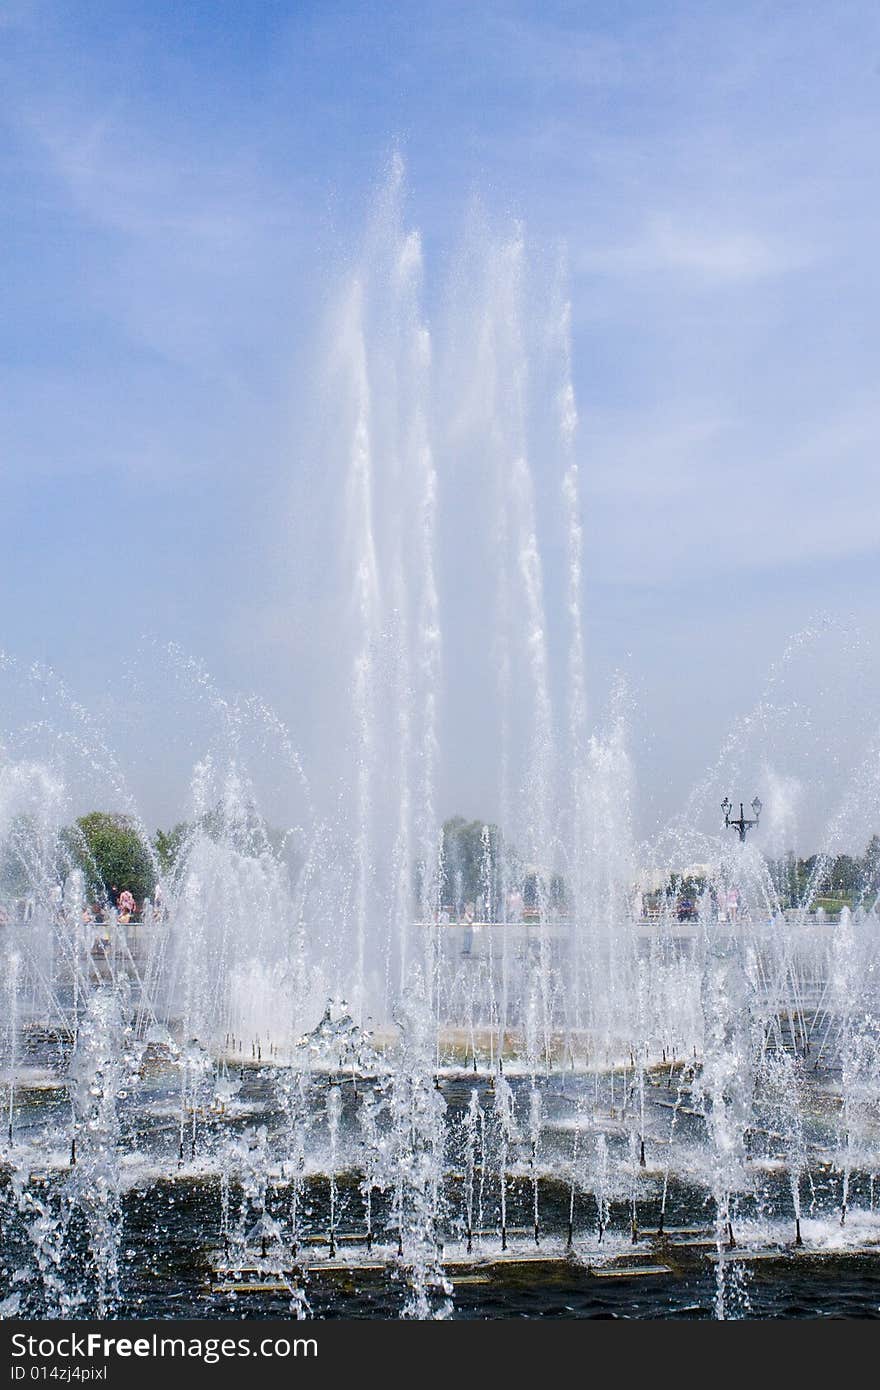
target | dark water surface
[
  {"x": 175, "y": 1262},
  {"x": 170, "y": 1251}
]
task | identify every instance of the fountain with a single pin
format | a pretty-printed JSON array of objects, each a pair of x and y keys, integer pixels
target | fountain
[{"x": 295, "y": 1085}]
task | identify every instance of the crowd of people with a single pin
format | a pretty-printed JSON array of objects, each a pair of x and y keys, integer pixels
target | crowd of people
[
  {"x": 118, "y": 905},
  {"x": 122, "y": 903}
]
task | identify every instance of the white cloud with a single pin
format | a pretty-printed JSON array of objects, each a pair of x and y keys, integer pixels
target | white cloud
[
  {"x": 672, "y": 494},
  {"x": 189, "y": 198},
  {"x": 714, "y": 256},
  {"x": 661, "y": 458}
]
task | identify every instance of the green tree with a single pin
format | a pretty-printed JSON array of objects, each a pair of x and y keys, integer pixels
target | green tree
[
  {"x": 110, "y": 851},
  {"x": 846, "y": 874},
  {"x": 247, "y": 832},
  {"x": 16, "y": 857},
  {"x": 168, "y": 844},
  {"x": 871, "y": 866},
  {"x": 475, "y": 860},
  {"x": 463, "y": 855},
  {"x": 814, "y": 873},
  {"x": 691, "y": 886}
]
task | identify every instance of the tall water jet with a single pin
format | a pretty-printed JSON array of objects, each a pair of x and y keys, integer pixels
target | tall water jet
[
  {"x": 367, "y": 606},
  {"x": 98, "y": 1073},
  {"x": 577, "y": 695},
  {"x": 417, "y": 1114},
  {"x": 726, "y": 1084}
]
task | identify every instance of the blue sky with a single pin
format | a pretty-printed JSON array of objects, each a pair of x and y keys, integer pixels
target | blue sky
[{"x": 179, "y": 183}]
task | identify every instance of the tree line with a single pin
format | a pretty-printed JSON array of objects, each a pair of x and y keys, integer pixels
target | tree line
[
  {"x": 855, "y": 878},
  {"x": 477, "y": 865},
  {"x": 112, "y": 853},
  {"x": 833, "y": 879}
]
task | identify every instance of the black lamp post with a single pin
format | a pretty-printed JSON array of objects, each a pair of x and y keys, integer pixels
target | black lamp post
[{"x": 743, "y": 823}]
